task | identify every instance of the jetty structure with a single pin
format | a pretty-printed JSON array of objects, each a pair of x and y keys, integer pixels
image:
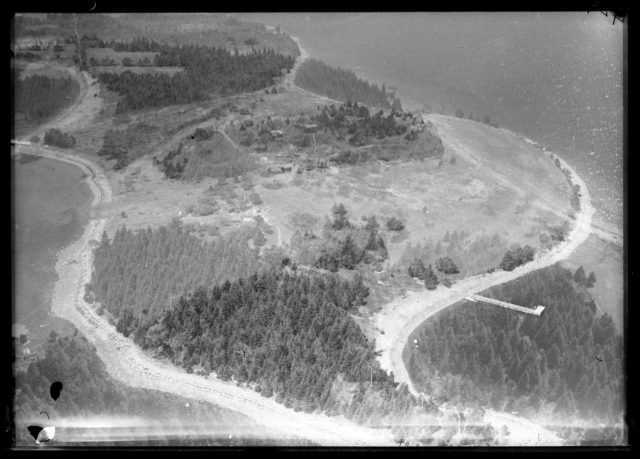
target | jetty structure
[{"x": 483, "y": 299}]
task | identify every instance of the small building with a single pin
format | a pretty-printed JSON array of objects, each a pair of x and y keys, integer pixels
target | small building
[
  {"x": 276, "y": 133},
  {"x": 245, "y": 111},
  {"x": 309, "y": 128}
]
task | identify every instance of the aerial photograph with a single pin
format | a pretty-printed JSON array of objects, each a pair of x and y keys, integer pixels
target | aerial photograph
[{"x": 295, "y": 230}]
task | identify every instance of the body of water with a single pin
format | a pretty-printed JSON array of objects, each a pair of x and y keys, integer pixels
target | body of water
[{"x": 51, "y": 207}]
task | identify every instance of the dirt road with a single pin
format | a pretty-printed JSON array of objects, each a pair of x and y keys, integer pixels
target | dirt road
[{"x": 401, "y": 317}]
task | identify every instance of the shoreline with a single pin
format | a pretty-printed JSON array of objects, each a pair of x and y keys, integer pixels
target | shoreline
[{"x": 127, "y": 363}]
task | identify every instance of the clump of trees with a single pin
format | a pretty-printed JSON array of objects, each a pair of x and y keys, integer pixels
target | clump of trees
[
  {"x": 418, "y": 270},
  {"x": 356, "y": 121},
  {"x": 394, "y": 224},
  {"x": 201, "y": 134},
  {"x": 447, "y": 266},
  {"x": 517, "y": 256},
  {"x": 57, "y": 138},
  {"x": 580, "y": 278},
  {"x": 341, "y": 84},
  {"x": 345, "y": 245},
  {"x": 144, "y": 270}
]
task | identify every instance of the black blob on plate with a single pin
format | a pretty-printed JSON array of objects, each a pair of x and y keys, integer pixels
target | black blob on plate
[
  {"x": 34, "y": 431},
  {"x": 55, "y": 390}
]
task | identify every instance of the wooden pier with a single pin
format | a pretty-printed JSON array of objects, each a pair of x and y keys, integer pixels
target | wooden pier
[{"x": 536, "y": 312}]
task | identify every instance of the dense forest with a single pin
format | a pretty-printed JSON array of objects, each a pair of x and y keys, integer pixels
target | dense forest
[
  {"x": 147, "y": 270},
  {"x": 89, "y": 391},
  {"x": 287, "y": 334},
  {"x": 341, "y": 84},
  {"x": 39, "y": 97},
  {"x": 206, "y": 71},
  {"x": 567, "y": 361},
  {"x": 219, "y": 307}
]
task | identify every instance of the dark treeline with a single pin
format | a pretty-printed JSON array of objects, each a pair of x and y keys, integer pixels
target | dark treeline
[
  {"x": 88, "y": 390},
  {"x": 57, "y": 138},
  {"x": 569, "y": 357},
  {"x": 147, "y": 270},
  {"x": 341, "y": 84},
  {"x": 517, "y": 256},
  {"x": 40, "y": 97},
  {"x": 207, "y": 71}
]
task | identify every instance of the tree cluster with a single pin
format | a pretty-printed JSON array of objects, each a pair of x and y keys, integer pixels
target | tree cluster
[
  {"x": 394, "y": 224},
  {"x": 355, "y": 121},
  {"x": 341, "y": 84},
  {"x": 343, "y": 245},
  {"x": 418, "y": 270},
  {"x": 517, "y": 256},
  {"x": 145, "y": 271},
  {"x": 580, "y": 278},
  {"x": 57, "y": 138},
  {"x": 569, "y": 357}
]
